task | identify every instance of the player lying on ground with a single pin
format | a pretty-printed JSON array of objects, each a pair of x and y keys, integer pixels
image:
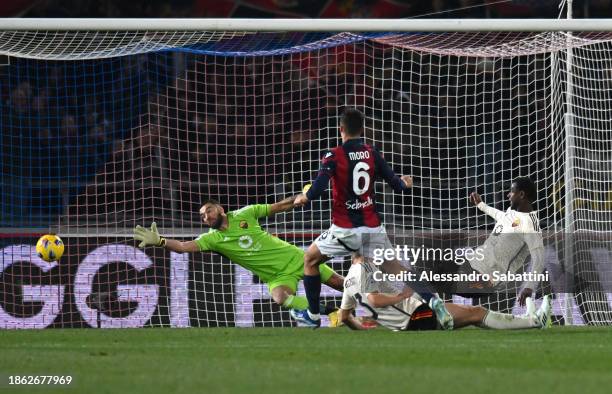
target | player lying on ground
[
  {"x": 352, "y": 168},
  {"x": 515, "y": 236},
  {"x": 406, "y": 311},
  {"x": 238, "y": 236}
]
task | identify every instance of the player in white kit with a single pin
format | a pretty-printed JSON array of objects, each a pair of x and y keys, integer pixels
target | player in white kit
[
  {"x": 516, "y": 235},
  {"x": 403, "y": 311}
]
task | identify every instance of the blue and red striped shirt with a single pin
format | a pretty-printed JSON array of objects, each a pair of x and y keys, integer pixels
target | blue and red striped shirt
[{"x": 352, "y": 168}]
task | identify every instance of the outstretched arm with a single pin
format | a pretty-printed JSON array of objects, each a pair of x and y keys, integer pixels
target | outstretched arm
[
  {"x": 493, "y": 212},
  {"x": 284, "y": 205},
  {"x": 181, "y": 247},
  {"x": 319, "y": 186},
  {"x": 399, "y": 184},
  {"x": 321, "y": 182},
  {"x": 346, "y": 316},
  {"x": 379, "y": 300},
  {"x": 151, "y": 237}
]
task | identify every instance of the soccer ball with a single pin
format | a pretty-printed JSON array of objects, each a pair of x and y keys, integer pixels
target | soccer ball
[{"x": 50, "y": 247}]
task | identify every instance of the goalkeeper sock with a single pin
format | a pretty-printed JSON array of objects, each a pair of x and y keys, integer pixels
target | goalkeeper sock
[
  {"x": 296, "y": 302},
  {"x": 506, "y": 321},
  {"x": 300, "y": 303},
  {"x": 312, "y": 285}
]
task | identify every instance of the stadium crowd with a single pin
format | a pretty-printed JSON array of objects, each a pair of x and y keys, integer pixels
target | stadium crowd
[
  {"x": 200, "y": 125},
  {"x": 257, "y": 122}
]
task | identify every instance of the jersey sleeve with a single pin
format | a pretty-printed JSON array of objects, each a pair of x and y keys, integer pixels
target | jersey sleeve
[
  {"x": 384, "y": 170},
  {"x": 493, "y": 212},
  {"x": 328, "y": 164},
  {"x": 348, "y": 301},
  {"x": 204, "y": 242},
  {"x": 326, "y": 172},
  {"x": 255, "y": 211},
  {"x": 318, "y": 187},
  {"x": 352, "y": 286}
]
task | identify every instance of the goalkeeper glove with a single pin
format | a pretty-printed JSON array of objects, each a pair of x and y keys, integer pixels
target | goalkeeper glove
[{"x": 148, "y": 237}]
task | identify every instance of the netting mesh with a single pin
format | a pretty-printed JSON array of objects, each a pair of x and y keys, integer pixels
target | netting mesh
[
  {"x": 81, "y": 45},
  {"x": 91, "y": 147}
]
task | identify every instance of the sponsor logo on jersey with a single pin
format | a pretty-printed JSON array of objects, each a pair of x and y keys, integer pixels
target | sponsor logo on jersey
[
  {"x": 516, "y": 222},
  {"x": 245, "y": 241},
  {"x": 356, "y": 204},
  {"x": 349, "y": 282},
  {"x": 328, "y": 154},
  {"x": 244, "y": 224}
]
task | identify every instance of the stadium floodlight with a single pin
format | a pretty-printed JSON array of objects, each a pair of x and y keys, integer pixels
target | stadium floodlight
[{"x": 109, "y": 123}]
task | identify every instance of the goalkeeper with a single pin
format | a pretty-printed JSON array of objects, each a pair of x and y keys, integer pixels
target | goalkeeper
[{"x": 238, "y": 236}]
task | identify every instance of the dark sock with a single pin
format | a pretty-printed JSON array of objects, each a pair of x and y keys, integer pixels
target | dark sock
[
  {"x": 312, "y": 285},
  {"x": 423, "y": 289},
  {"x": 426, "y": 296},
  {"x": 326, "y": 309}
]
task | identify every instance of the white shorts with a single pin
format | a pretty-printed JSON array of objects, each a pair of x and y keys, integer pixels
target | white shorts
[{"x": 338, "y": 241}]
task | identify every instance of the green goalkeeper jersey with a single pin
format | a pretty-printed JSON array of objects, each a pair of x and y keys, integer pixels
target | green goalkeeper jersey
[{"x": 246, "y": 243}]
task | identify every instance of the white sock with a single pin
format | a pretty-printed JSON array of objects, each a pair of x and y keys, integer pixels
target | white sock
[
  {"x": 314, "y": 316},
  {"x": 506, "y": 321}
]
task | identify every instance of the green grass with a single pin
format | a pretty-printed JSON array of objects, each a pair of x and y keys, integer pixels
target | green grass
[{"x": 560, "y": 360}]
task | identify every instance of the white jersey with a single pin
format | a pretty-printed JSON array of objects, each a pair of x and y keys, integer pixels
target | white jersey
[
  {"x": 359, "y": 282},
  {"x": 515, "y": 236}
]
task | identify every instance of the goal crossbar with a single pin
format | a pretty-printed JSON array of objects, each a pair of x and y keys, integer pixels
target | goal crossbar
[
  {"x": 113, "y": 123},
  {"x": 312, "y": 25}
]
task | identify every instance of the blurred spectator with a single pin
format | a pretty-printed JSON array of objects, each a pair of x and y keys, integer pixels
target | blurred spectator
[
  {"x": 20, "y": 98},
  {"x": 69, "y": 129},
  {"x": 254, "y": 122},
  {"x": 40, "y": 103}
]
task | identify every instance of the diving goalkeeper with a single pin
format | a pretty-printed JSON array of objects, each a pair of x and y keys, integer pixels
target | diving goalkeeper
[{"x": 238, "y": 236}]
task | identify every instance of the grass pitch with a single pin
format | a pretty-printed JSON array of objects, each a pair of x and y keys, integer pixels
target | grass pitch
[{"x": 267, "y": 360}]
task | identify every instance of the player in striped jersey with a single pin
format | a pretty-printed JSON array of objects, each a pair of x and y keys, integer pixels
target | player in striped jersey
[
  {"x": 405, "y": 310},
  {"x": 516, "y": 235},
  {"x": 352, "y": 168}
]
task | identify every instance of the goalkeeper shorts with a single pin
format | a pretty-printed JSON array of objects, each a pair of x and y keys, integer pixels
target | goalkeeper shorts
[{"x": 291, "y": 279}]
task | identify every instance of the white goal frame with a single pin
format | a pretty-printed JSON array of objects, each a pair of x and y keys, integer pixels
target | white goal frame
[
  {"x": 321, "y": 25},
  {"x": 342, "y": 25}
]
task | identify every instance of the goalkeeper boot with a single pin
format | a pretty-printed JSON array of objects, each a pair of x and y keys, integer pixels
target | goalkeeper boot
[
  {"x": 444, "y": 317},
  {"x": 302, "y": 316},
  {"x": 543, "y": 314}
]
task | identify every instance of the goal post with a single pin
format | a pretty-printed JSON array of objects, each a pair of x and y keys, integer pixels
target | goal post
[{"x": 110, "y": 123}]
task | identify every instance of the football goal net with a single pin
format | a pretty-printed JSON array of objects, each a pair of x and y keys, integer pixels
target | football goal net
[{"x": 108, "y": 124}]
